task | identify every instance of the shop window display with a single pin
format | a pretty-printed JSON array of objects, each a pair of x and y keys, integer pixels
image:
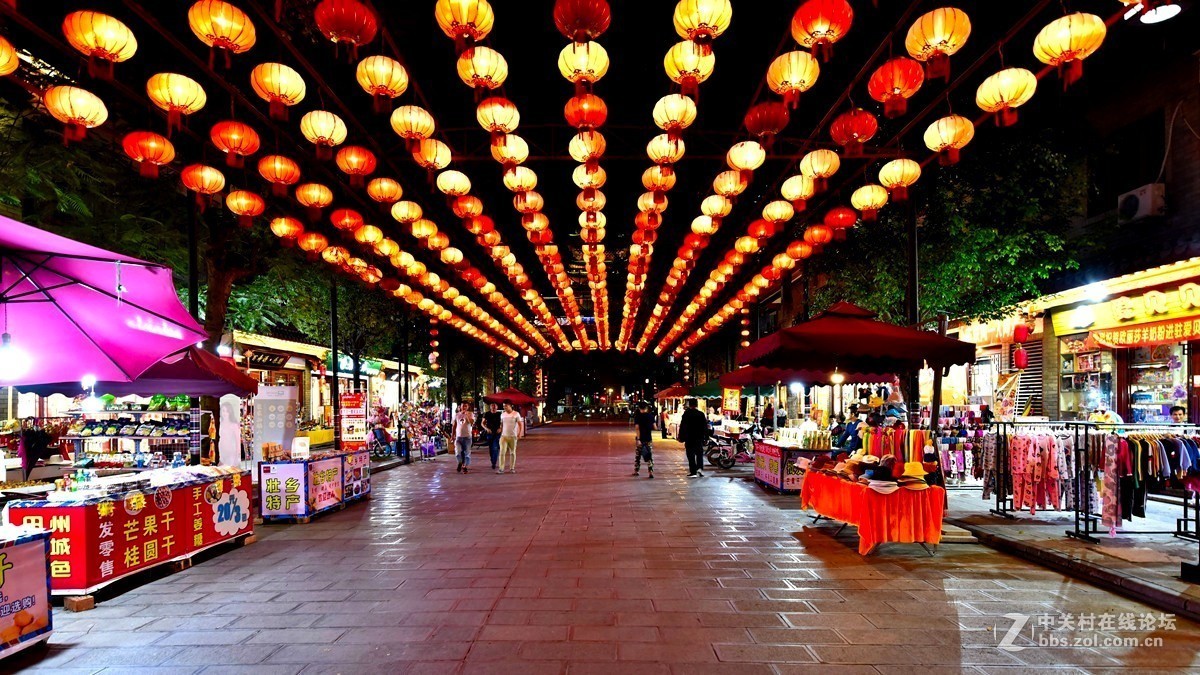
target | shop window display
[
  {"x": 1086, "y": 378},
  {"x": 1157, "y": 381}
]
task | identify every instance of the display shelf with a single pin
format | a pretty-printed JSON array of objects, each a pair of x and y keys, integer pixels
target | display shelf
[
  {"x": 136, "y": 413},
  {"x": 183, "y": 439}
]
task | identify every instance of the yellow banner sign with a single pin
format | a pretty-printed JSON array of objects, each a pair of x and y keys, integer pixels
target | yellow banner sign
[
  {"x": 1128, "y": 310},
  {"x": 731, "y": 400}
]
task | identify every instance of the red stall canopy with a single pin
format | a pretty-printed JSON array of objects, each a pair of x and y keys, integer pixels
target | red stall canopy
[
  {"x": 514, "y": 396},
  {"x": 674, "y": 391},
  {"x": 851, "y": 339}
]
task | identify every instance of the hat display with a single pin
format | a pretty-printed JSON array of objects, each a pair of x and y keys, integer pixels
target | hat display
[
  {"x": 910, "y": 483},
  {"x": 883, "y": 487},
  {"x": 914, "y": 470},
  {"x": 869, "y": 459}
]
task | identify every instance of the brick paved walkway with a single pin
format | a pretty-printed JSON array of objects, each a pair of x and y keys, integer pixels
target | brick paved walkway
[{"x": 573, "y": 566}]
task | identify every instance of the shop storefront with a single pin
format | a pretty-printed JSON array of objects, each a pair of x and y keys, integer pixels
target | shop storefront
[{"x": 1126, "y": 344}]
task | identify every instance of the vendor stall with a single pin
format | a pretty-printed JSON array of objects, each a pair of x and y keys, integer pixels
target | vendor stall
[
  {"x": 886, "y": 505},
  {"x": 900, "y": 516},
  {"x": 296, "y": 489},
  {"x": 107, "y": 528},
  {"x": 25, "y": 615}
]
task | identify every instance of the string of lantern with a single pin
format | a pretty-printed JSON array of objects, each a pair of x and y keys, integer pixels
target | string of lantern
[
  {"x": 468, "y": 22},
  {"x": 584, "y": 62},
  {"x": 1061, "y": 45},
  {"x": 687, "y": 64},
  {"x": 352, "y": 23},
  {"x": 177, "y": 95},
  {"x": 764, "y": 121}
]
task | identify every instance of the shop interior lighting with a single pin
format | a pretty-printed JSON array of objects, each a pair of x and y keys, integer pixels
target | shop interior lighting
[
  {"x": 1097, "y": 292},
  {"x": 796, "y": 387},
  {"x": 14, "y": 362},
  {"x": 836, "y": 377}
]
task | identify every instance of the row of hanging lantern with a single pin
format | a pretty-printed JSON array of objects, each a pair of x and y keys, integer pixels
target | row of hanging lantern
[
  {"x": 932, "y": 39},
  {"x": 468, "y": 22},
  {"x": 583, "y": 62},
  {"x": 763, "y": 282},
  {"x": 224, "y": 27},
  {"x": 687, "y": 64}
]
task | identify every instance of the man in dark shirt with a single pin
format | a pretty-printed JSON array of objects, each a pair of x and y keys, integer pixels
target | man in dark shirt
[
  {"x": 645, "y": 422},
  {"x": 693, "y": 431},
  {"x": 491, "y": 424}
]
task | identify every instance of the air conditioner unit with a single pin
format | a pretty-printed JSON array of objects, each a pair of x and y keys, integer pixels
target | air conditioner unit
[{"x": 1144, "y": 202}]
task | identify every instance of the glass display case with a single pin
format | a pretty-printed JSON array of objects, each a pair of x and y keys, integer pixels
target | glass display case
[
  {"x": 1157, "y": 382},
  {"x": 1086, "y": 378}
]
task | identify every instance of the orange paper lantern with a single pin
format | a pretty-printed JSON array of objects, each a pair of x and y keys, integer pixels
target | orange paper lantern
[
  {"x": 177, "y": 94},
  {"x": 236, "y": 139},
  {"x": 278, "y": 85},
  {"x": 78, "y": 110},
  {"x": 222, "y": 27},
  {"x": 246, "y": 205},
  {"x": 280, "y": 171},
  {"x": 383, "y": 78},
  {"x": 356, "y": 162},
  {"x": 149, "y": 151},
  {"x": 100, "y": 37}
]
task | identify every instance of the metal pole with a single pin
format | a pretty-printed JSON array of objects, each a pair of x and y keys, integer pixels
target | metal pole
[
  {"x": 404, "y": 351},
  {"x": 335, "y": 395},
  {"x": 193, "y": 264},
  {"x": 912, "y": 311}
]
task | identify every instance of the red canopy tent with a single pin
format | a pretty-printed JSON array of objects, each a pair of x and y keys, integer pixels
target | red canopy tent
[
  {"x": 759, "y": 376},
  {"x": 514, "y": 396},
  {"x": 673, "y": 391},
  {"x": 850, "y": 339}
]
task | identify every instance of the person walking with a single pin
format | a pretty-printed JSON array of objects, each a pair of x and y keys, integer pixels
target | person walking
[
  {"x": 693, "y": 431},
  {"x": 662, "y": 419},
  {"x": 512, "y": 426},
  {"x": 644, "y": 421},
  {"x": 491, "y": 425},
  {"x": 464, "y": 429}
]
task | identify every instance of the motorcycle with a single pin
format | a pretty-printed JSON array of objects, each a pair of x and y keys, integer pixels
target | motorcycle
[{"x": 726, "y": 452}]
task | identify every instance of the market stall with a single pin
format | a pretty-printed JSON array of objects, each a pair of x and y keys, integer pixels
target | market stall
[
  {"x": 850, "y": 339},
  {"x": 106, "y": 528},
  {"x": 882, "y": 513},
  {"x": 294, "y": 489},
  {"x": 671, "y": 401},
  {"x": 26, "y": 617}
]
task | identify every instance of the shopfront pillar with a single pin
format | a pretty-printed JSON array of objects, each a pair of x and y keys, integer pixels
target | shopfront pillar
[{"x": 335, "y": 394}]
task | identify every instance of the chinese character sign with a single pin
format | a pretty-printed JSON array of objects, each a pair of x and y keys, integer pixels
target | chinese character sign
[
  {"x": 358, "y": 475},
  {"x": 324, "y": 484},
  {"x": 281, "y": 489},
  {"x": 274, "y": 417},
  {"x": 354, "y": 421},
  {"x": 766, "y": 464},
  {"x": 731, "y": 400},
  {"x": 24, "y": 594}
]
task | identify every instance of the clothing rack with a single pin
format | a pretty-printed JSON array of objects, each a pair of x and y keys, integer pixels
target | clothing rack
[{"x": 1004, "y": 484}]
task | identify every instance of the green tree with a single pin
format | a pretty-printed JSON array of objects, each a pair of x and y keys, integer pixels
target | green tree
[{"x": 992, "y": 230}]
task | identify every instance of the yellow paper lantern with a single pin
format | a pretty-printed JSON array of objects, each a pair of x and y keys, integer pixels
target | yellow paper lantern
[
  {"x": 936, "y": 36},
  {"x": 702, "y": 20},
  {"x": 510, "y": 150},
  {"x": 432, "y": 154},
  {"x": 716, "y": 206},
  {"x": 498, "y": 115},
  {"x": 368, "y": 234},
  {"x": 587, "y": 146},
  {"x": 798, "y": 189},
  {"x": 1004, "y": 92},
  {"x": 673, "y": 113},
  {"x": 792, "y": 74},
  {"x": 662, "y": 149},
  {"x": 688, "y": 64},
  {"x": 78, "y": 109},
  {"x": 746, "y": 156},
  {"x": 869, "y": 199},
  {"x": 453, "y": 183},
  {"x": 464, "y": 21},
  {"x": 177, "y": 94},
  {"x": 324, "y": 130},
  {"x": 898, "y": 175},
  {"x": 278, "y": 85},
  {"x": 223, "y": 26},
  {"x": 1066, "y": 42},
  {"x": 583, "y": 63},
  {"x": 8, "y": 58},
  {"x": 819, "y": 165},
  {"x": 384, "y": 78},
  {"x": 100, "y": 37},
  {"x": 778, "y": 211},
  {"x": 384, "y": 190},
  {"x": 482, "y": 68},
  {"x": 947, "y": 136},
  {"x": 406, "y": 211}
]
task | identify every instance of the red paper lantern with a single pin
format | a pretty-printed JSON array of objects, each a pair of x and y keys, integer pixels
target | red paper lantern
[
  {"x": 818, "y": 235},
  {"x": 799, "y": 250},
  {"x": 356, "y": 162},
  {"x": 586, "y": 111},
  {"x": 346, "y": 22},
  {"x": 236, "y": 139},
  {"x": 1021, "y": 333},
  {"x": 1020, "y": 358},
  {"x": 766, "y": 120},
  {"x": 346, "y": 219},
  {"x": 817, "y": 24},
  {"x": 149, "y": 151},
  {"x": 761, "y": 230},
  {"x": 839, "y": 219},
  {"x": 582, "y": 20},
  {"x": 893, "y": 83},
  {"x": 853, "y": 128}
]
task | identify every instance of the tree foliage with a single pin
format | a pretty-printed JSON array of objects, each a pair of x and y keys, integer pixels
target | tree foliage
[{"x": 991, "y": 231}]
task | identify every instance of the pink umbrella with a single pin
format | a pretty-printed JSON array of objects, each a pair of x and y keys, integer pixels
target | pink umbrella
[{"x": 69, "y": 310}]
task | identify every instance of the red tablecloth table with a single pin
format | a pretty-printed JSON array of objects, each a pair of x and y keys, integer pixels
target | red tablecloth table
[{"x": 904, "y": 516}]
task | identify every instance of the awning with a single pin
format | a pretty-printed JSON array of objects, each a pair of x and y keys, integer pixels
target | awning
[{"x": 192, "y": 372}]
